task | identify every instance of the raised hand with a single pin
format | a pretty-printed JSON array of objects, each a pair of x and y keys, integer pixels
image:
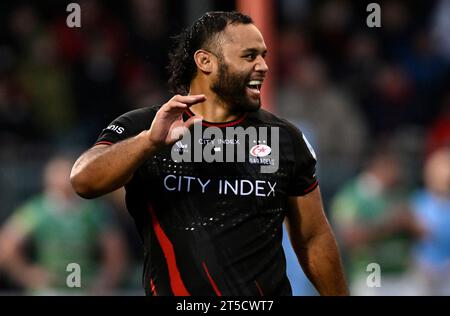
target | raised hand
[{"x": 168, "y": 125}]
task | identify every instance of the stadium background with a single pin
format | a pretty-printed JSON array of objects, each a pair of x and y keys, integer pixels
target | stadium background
[{"x": 353, "y": 90}]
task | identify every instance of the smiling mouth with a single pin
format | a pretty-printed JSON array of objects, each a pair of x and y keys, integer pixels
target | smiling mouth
[{"x": 255, "y": 86}]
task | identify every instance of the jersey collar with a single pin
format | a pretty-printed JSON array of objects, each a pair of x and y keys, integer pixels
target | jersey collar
[{"x": 234, "y": 122}]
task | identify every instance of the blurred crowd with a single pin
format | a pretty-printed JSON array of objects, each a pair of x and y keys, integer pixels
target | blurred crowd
[{"x": 373, "y": 102}]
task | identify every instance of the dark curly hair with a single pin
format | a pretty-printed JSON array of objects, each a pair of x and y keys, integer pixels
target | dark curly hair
[{"x": 201, "y": 34}]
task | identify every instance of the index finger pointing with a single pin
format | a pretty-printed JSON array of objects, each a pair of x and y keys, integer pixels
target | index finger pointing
[{"x": 191, "y": 99}]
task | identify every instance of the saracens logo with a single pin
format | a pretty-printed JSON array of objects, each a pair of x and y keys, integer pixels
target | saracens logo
[{"x": 260, "y": 150}]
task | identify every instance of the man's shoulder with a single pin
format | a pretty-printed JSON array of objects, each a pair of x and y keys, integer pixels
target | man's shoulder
[
  {"x": 135, "y": 120},
  {"x": 128, "y": 124},
  {"x": 142, "y": 113}
]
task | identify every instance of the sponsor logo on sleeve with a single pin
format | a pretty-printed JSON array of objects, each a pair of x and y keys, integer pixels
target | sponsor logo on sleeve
[{"x": 116, "y": 128}]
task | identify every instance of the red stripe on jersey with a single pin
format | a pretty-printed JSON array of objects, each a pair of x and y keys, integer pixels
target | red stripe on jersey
[
  {"x": 259, "y": 288},
  {"x": 153, "y": 288},
  {"x": 176, "y": 283},
  {"x": 311, "y": 187},
  {"x": 214, "y": 285},
  {"x": 211, "y": 124},
  {"x": 103, "y": 143}
]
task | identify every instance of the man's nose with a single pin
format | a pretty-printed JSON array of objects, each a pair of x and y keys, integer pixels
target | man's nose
[{"x": 261, "y": 65}]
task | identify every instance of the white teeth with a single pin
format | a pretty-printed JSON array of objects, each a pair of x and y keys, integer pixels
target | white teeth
[{"x": 255, "y": 82}]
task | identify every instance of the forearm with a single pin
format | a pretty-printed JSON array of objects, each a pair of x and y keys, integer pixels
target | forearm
[
  {"x": 321, "y": 262},
  {"x": 102, "y": 170}
]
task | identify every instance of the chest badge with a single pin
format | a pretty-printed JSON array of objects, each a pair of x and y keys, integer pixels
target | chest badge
[{"x": 260, "y": 151}]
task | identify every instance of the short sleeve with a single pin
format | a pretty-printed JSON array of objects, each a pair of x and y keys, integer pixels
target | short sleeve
[
  {"x": 127, "y": 125},
  {"x": 303, "y": 179}
]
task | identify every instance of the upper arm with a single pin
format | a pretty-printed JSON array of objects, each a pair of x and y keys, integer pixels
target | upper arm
[
  {"x": 306, "y": 217},
  {"x": 91, "y": 152},
  {"x": 124, "y": 127},
  {"x": 88, "y": 156}
]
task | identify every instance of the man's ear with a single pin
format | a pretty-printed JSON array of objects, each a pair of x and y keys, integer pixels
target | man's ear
[{"x": 204, "y": 60}]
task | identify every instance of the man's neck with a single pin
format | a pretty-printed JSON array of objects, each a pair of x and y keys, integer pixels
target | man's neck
[{"x": 213, "y": 109}]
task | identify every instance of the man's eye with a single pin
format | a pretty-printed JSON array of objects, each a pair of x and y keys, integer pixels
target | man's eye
[{"x": 250, "y": 56}]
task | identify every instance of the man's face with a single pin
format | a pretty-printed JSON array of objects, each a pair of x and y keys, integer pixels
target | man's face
[{"x": 241, "y": 68}]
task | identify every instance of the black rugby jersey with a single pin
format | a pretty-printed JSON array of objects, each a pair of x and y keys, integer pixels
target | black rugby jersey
[{"x": 215, "y": 228}]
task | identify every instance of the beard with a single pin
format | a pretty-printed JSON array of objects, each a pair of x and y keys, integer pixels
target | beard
[{"x": 231, "y": 88}]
